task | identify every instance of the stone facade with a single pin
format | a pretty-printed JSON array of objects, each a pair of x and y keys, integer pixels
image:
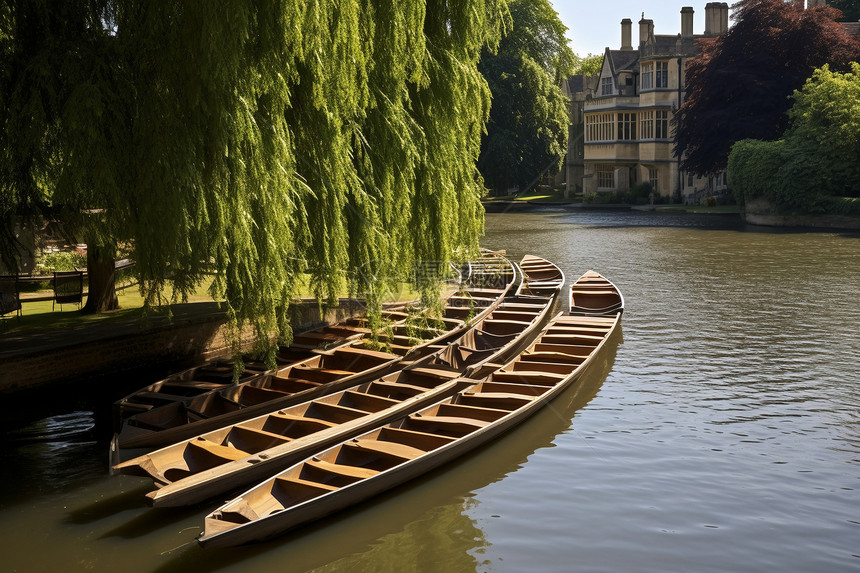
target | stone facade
[{"x": 627, "y": 112}]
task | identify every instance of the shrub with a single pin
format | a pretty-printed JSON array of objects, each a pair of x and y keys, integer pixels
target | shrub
[{"x": 47, "y": 263}]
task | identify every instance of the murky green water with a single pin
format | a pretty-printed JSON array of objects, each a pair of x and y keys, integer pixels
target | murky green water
[{"x": 722, "y": 435}]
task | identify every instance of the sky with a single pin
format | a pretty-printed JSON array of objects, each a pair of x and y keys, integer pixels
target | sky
[{"x": 592, "y": 26}]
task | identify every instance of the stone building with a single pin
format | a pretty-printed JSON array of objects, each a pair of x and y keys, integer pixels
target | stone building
[{"x": 623, "y": 117}]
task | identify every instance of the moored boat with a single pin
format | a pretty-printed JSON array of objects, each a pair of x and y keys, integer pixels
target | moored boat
[
  {"x": 219, "y": 373},
  {"x": 378, "y": 460},
  {"x": 326, "y": 371},
  {"x": 594, "y": 295},
  {"x": 225, "y": 459},
  {"x": 540, "y": 276}
]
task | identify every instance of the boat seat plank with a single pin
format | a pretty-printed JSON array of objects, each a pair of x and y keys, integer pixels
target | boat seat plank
[
  {"x": 451, "y": 420},
  {"x": 308, "y": 483},
  {"x": 342, "y": 469},
  {"x": 441, "y": 373},
  {"x": 498, "y": 397},
  {"x": 294, "y": 418},
  {"x": 528, "y": 377},
  {"x": 389, "y": 448},
  {"x": 224, "y": 452}
]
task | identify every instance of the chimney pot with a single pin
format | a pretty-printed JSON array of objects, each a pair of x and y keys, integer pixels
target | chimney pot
[{"x": 627, "y": 34}]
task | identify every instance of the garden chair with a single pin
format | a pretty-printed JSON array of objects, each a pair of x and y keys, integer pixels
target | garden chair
[
  {"x": 10, "y": 295},
  {"x": 68, "y": 288}
]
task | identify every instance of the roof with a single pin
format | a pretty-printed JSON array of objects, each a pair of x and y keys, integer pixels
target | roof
[
  {"x": 576, "y": 83},
  {"x": 624, "y": 59}
]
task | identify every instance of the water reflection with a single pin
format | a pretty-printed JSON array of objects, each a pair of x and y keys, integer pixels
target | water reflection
[{"x": 725, "y": 436}]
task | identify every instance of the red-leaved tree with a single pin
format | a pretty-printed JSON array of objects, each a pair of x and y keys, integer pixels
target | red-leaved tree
[{"x": 738, "y": 86}]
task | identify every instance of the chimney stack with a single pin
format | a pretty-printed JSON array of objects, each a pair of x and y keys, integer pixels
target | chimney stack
[
  {"x": 716, "y": 18},
  {"x": 687, "y": 21},
  {"x": 627, "y": 34},
  {"x": 646, "y": 28}
]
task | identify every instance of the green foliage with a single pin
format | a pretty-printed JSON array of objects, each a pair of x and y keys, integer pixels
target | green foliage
[
  {"x": 739, "y": 85},
  {"x": 60, "y": 261},
  {"x": 825, "y": 119},
  {"x": 527, "y": 130},
  {"x": 589, "y": 65},
  {"x": 818, "y": 158},
  {"x": 258, "y": 141}
]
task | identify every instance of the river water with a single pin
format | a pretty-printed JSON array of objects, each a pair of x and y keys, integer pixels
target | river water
[{"x": 722, "y": 435}]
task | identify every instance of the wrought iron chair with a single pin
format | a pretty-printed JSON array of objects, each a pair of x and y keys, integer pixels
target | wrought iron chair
[
  {"x": 10, "y": 295},
  {"x": 68, "y": 288}
]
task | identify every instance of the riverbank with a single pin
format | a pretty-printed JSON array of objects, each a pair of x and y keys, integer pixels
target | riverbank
[{"x": 194, "y": 332}]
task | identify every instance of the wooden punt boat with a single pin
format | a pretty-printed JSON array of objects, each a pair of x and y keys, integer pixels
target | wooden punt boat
[
  {"x": 594, "y": 295},
  {"x": 491, "y": 269},
  {"x": 218, "y": 374},
  {"x": 324, "y": 372},
  {"x": 540, "y": 276},
  {"x": 378, "y": 460},
  {"x": 223, "y": 460}
]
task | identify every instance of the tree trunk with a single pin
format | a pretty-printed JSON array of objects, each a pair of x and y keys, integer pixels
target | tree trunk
[{"x": 101, "y": 269}]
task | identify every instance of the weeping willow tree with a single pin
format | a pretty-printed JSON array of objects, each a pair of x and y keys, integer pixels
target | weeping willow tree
[{"x": 257, "y": 142}]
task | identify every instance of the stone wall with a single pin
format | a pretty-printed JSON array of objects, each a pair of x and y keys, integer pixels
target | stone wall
[{"x": 186, "y": 340}]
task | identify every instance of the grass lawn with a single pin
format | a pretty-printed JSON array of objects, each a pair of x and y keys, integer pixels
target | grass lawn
[
  {"x": 44, "y": 315},
  {"x": 536, "y": 198}
]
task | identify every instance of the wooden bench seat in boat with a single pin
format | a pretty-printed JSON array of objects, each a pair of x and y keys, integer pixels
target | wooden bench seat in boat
[
  {"x": 349, "y": 471},
  {"x": 387, "y": 448},
  {"x": 253, "y": 440},
  {"x": 252, "y": 395},
  {"x": 320, "y": 375},
  {"x": 289, "y": 491},
  {"x": 292, "y": 426},
  {"x": 365, "y": 402},
  {"x": 425, "y": 441},
  {"x": 201, "y": 445},
  {"x": 578, "y": 339},
  {"x": 332, "y": 412},
  {"x": 288, "y": 385},
  {"x": 563, "y": 368},
  {"x": 575, "y": 351},
  {"x": 506, "y": 388},
  {"x": 528, "y": 377},
  {"x": 501, "y": 400},
  {"x": 548, "y": 356},
  {"x": 436, "y": 371},
  {"x": 595, "y": 320},
  {"x": 386, "y": 388},
  {"x": 449, "y": 409},
  {"x": 452, "y": 426}
]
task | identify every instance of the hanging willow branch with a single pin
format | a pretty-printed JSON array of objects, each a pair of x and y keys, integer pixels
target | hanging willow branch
[{"x": 260, "y": 141}]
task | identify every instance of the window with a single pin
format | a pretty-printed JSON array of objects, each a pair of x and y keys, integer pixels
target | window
[
  {"x": 653, "y": 179},
  {"x": 605, "y": 180},
  {"x": 661, "y": 127},
  {"x": 689, "y": 179},
  {"x": 627, "y": 126},
  {"x": 662, "y": 75},
  {"x": 606, "y": 86},
  {"x": 600, "y": 127},
  {"x": 646, "y": 124},
  {"x": 647, "y": 76}
]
